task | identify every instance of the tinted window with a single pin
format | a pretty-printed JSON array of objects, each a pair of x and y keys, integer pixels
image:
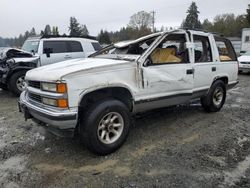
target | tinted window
[
  {"x": 96, "y": 46},
  {"x": 226, "y": 50},
  {"x": 55, "y": 46},
  {"x": 202, "y": 49},
  {"x": 75, "y": 46},
  {"x": 247, "y": 39}
]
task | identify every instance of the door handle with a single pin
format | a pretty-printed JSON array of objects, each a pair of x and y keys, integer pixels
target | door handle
[
  {"x": 190, "y": 71},
  {"x": 213, "y": 69},
  {"x": 67, "y": 57}
]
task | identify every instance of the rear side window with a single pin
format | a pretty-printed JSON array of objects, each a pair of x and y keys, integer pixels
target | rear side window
[
  {"x": 75, "y": 46},
  {"x": 202, "y": 49},
  {"x": 55, "y": 46},
  {"x": 96, "y": 46},
  {"x": 226, "y": 50}
]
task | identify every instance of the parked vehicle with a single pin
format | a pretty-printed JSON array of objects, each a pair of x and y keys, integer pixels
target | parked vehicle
[
  {"x": 97, "y": 96},
  {"x": 245, "y": 40},
  {"x": 14, "y": 63},
  {"x": 49, "y": 49},
  {"x": 244, "y": 62}
]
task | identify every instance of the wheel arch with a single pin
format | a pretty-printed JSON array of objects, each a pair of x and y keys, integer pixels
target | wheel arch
[
  {"x": 121, "y": 93},
  {"x": 223, "y": 78},
  {"x": 16, "y": 69}
]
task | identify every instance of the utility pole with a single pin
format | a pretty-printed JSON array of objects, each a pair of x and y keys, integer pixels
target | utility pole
[{"x": 153, "y": 12}]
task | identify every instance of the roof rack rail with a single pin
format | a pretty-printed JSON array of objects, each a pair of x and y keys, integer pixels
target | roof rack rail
[
  {"x": 68, "y": 36},
  {"x": 195, "y": 29}
]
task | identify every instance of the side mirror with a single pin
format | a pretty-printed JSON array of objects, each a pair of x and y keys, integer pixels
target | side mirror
[
  {"x": 147, "y": 62},
  {"x": 47, "y": 51}
]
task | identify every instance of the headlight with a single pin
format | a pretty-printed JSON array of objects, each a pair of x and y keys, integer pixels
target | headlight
[
  {"x": 61, "y": 103},
  {"x": 54, "y": 87}
]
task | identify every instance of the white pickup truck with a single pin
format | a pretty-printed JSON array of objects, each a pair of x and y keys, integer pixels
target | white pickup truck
[{"x": 97, "y": 96}]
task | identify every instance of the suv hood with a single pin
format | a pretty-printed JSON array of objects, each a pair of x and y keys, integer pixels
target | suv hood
[
  {"x": 244, "y": 58},
  {"x": 57, "y": 71}
]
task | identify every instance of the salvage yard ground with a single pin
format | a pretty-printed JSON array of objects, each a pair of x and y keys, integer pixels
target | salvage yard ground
[{"x": 173, "y": 147}]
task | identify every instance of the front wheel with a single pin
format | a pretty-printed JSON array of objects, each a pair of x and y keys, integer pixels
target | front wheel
[
  {"x": 215, "y": 98},
  {"x": 3, "y": 86},
  {"x": 105, "y": 126},
  {"x": 17, "y": 83}
]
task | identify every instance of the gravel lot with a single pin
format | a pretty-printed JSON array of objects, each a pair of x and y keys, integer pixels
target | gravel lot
[{"x": 174, "y": 147}]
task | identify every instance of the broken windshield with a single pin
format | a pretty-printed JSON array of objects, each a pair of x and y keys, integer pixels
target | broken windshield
[
  {"x": 30, "y": 46},
  {"x": 126, "y": 50}
]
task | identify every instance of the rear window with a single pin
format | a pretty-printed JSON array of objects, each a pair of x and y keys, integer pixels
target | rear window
[
  {"x": 96, "y": 46},
  {"x": 226, "y": 50},
  {"x": 55, "y": 46},
  {"x": 75, "y": 46}
]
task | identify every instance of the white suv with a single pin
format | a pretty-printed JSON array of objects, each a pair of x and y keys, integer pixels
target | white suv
[
  {"x": 47, "y": 50},
  {"x": 96, "y": 97},
  {"x": 55, "y": 49}
]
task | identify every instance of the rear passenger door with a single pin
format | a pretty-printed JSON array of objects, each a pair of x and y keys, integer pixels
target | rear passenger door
[
  {"x": 75, "y": 50},
  {"x": 60, "y": 51},
  {"x": 204, "y": 66}
]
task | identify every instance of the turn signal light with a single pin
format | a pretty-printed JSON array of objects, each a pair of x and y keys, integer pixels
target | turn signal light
[
  {"x": 61, "y": 88},
  {"x": 62, "y": 103}
]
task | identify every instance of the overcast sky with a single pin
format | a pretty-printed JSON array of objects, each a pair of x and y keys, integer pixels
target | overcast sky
[{"x": 17, "y": 16}]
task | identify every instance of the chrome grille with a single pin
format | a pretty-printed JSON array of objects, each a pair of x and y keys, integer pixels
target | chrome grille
[
  {"x": 35, "y": 97},
  {"x": 34, "y": 84}
]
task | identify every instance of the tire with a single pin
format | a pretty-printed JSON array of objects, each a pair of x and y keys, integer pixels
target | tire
[
  {"x": 16, "y": 83},
  {"x": 3, "y": 87},
  {"x": 215, "y": 99},
  {"x": 99, "y": 116}
]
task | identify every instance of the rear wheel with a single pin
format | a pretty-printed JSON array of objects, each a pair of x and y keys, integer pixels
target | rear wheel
[
  {"x": 17, "y": 83},
  {"x": 215, "y": 98},
  {"x": 105, "y": 126}
]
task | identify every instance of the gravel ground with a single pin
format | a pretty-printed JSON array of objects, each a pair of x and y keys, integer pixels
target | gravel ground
[{"x": 174, "y": 147}]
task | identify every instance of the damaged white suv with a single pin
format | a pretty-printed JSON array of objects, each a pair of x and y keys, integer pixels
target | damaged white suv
[{"x": 96, "y": 97}]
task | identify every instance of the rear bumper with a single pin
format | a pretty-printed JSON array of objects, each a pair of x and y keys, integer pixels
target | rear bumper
[{"x": 54, "y": 120}]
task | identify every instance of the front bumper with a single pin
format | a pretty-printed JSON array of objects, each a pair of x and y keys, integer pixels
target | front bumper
[
  {"x": 244, "y": 67},
  {"x": 53, "y": 119}
]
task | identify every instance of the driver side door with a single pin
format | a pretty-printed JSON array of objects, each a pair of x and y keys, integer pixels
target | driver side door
[{"x": 168, "y": 75}]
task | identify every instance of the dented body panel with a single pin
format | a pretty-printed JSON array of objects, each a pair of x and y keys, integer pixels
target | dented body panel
[{"x": 150, "y": 85}]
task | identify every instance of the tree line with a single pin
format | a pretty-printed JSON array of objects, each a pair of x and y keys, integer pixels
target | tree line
[{"x": 141, "y": 23}]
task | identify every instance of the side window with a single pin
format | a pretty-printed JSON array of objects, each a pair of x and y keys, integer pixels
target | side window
[
  {"x": 96, "y": 46},
  {"x": 226, "y": 50},
  {"x": 171, "y": 50},
  {"x": 202, "y": 51},
  {"x": 247, "y": 39},
  {"x": 55, "y": 46},
  {"x": 74, "y": 46}
]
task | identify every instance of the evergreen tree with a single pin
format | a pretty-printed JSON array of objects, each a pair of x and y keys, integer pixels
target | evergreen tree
[
  {"x": 47, "y": 30},
  {"x": 74, "y": 27},
  {"x": 192, "y": 20},
  {"x": 32, "y": 32},
  {"x": 104, "y": 38},
  {"x": 55, "y": 31},
  {"x": 84, "y": 30},
  {"x": 248, "y": 16}
]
